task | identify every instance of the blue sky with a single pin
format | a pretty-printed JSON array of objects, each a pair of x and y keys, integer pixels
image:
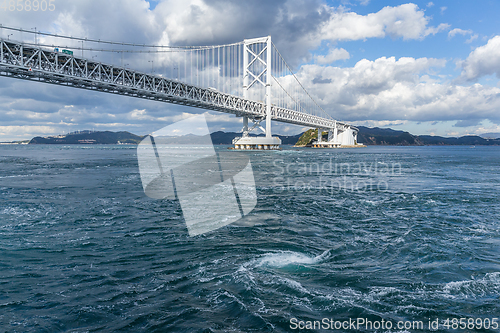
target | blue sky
[
  {"x": 481, "y": 20},
  {"x": 426, "y": 67}
]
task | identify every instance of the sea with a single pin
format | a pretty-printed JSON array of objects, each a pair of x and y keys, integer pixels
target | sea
[{"x": 375, "y": 239}]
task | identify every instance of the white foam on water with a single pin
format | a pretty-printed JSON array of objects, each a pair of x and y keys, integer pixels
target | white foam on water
[
  {"x": 17, "y": 176},
  {"x": 289, "y": 151},
  {"x": 293, "y": 285},
  {"x": 285, "y": 258},
  {"x": 488, "y": 285}
]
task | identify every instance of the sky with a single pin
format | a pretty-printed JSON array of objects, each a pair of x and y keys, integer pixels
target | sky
[{"x": 430, "y": 68}]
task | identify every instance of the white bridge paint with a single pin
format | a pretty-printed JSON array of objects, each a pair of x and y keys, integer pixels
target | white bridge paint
[
  {"x": 348, "y": 137},
  {"x": 262, "y": 143}
]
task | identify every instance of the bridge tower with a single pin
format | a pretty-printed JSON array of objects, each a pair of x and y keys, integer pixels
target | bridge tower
[{"x": 257, "y": 71}]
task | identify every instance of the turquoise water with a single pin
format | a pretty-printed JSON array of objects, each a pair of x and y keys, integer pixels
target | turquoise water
[{"x": 381, "y": 233}]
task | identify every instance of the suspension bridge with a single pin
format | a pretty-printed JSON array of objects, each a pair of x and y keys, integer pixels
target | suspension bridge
[{"x": 249, "y": 79}]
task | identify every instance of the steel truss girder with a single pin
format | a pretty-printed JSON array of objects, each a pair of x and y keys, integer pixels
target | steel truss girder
[{"x": 37, "y": 64}]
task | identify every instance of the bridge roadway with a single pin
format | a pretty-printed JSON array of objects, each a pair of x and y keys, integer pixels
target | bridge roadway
[{"x": 31, "y": 62}]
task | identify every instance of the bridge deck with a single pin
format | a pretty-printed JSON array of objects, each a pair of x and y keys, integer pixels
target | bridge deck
[{"x": 24, "y": 61}]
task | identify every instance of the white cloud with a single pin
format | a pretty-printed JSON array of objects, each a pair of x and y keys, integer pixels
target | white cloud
[
  {"x": 443, "y": 9},
  {"x": 486, "y": 127},
  {"x": 366, "y": 77},
  {"x": 406, "y": 21},
  {"x": 435, "y": 30},
  {"x": 430, "y": 4},
  {"x": 127, "y": 19},
  {"x": 332, "y": 56},
  {"x": 484, "y": 60},
  {"x": 193, "y": 21},
  {"x": 389, "y": 90},
  {"x": 381, "y": 123},
  {"x": 293, "y": 24},
  {"x": 456, "y": 31},
  {"x": 471, "y": 39},
  {"x": 23, "y": 132}
]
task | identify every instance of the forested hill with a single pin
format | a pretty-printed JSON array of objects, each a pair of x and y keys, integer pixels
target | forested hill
[
  {"x": 108, "y": 137},
  {"x": 387, "y": 136},
  {"x": 89, "y": 137}
]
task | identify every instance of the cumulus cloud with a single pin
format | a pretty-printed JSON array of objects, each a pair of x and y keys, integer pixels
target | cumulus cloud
[
  {"x": 456, "y": 31},
  {"x": 484, "y": 60},
  {"x": 387, "y": 89},
  {"x": 293, "y": 24},
  {"x": 26, "y": 131},
  {"x": 406, "y": 21},
  {"x": 381, "y": 123},
  {"x": 107, "y": 20},
  {"x": 471, "y": 39},
  {"x": 332, "y": 56}
]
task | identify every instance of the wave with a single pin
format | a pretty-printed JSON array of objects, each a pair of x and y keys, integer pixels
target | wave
[
  {"x": 486, "y": 286},
  {"x": 286, "y": 258}
]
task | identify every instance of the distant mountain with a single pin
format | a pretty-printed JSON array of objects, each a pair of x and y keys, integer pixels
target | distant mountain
[
  {"x": 380, "y": 131},
  {"x": 387, "y": 136},
  {"x": 88, "y": 137},
  {"x": 463, "y": 140}
]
